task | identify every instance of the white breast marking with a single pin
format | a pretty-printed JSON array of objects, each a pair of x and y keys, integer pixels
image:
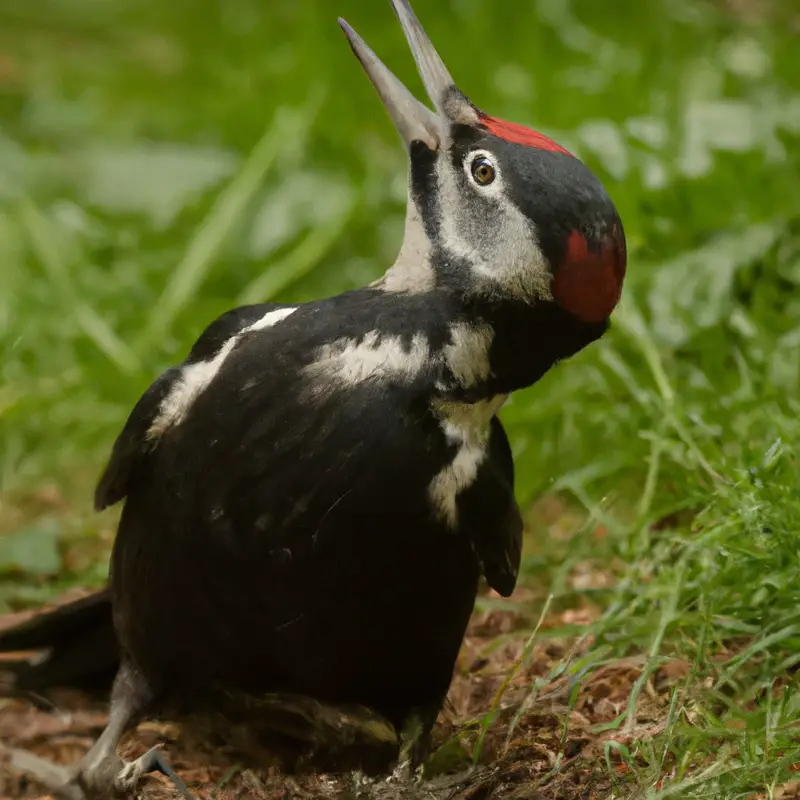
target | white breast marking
[{"x": 465, "y": 425}]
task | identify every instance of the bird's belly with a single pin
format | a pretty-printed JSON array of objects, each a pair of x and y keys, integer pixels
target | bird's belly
[
  {"x": 369, "y": 612},
  {"x": 386, "y": 634}
]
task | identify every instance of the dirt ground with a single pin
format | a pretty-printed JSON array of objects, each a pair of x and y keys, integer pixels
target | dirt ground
[{"x": 536, "y": 747}]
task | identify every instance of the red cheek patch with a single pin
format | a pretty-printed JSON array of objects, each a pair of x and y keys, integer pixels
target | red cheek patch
[
  {"x": 588, "y": 284},
  {"x": 519, "y": 134}
]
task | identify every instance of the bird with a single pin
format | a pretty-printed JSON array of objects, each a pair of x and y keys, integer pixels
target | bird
[{"x": 313, "y": 496}]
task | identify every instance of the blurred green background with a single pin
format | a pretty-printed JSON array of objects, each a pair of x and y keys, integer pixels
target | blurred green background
[{"x": 162, "y": 161}]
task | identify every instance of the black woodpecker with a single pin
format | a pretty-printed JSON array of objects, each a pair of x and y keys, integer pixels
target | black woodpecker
[{"x": 312, "y": 496}]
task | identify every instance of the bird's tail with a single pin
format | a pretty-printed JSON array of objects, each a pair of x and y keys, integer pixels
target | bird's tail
[{"x": 73, "y": 645}]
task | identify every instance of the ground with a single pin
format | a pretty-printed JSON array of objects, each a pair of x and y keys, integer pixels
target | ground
[{"x": 538, "y": 744}]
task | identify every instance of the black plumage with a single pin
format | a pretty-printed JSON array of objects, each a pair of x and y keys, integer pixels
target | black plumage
[
  {"x": 311, "y": 498},
  {"x": 82, "y": 646}
]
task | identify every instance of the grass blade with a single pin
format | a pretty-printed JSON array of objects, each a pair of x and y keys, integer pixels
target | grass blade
[
  {"x": 43, "y": 237},
  {"x": 215, "y": 230}
]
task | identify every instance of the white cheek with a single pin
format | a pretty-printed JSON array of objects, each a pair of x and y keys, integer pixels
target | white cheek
[
  {"x": 516, "y": 266},
  {"x": 452, "y": 236}
]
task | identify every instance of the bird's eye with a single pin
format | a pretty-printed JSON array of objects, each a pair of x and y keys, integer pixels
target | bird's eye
[{"x": 483, "y": 171}]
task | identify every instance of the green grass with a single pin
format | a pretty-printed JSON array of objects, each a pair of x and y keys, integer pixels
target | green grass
[{"x": 158, "y": 167}]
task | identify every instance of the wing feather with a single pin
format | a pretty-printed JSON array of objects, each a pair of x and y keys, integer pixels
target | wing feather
[{"x": 135, "y": 441}]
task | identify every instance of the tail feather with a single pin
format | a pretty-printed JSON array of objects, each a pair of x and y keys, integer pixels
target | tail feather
[{"x": 76, "y": 647}]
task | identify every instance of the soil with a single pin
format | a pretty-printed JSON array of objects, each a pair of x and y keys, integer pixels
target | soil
[{"x": 539, "y": 744}]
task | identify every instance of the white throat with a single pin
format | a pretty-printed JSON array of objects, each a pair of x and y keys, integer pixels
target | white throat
[{"x": 412, "y": 271}]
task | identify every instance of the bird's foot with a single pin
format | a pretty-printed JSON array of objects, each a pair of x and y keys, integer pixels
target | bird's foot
[
  {"x": 404, "y": 772},
  {"x": 405, "y": 782},
  {"x": 74, "y": 783},
  {"x": 415, "y": 739},
  {"x": 153, "y": 760}
]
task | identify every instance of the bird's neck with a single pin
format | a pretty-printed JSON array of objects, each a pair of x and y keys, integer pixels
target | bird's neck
[
  {"x": 500, "y": 346},
  {"x": 413, "y": 270},
  {"x": 497, "y": 344}
]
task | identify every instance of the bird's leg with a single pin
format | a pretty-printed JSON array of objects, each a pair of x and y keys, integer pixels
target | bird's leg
[
  {"x": 94, "y": 775},
  {"x": 102, "y": 774},
  {"x": 415, "y": 740}
]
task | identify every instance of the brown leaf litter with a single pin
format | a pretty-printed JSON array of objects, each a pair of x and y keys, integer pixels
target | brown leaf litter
[{"x": 534, "y": 743}]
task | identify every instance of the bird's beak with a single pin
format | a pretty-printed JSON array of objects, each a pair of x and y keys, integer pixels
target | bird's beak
[{"x": 413, "y": 120}]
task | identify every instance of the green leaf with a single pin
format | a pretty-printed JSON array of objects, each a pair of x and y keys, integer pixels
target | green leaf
[
  {"x": 32, "y": 550},
  {"x": 449, "y": 758}
]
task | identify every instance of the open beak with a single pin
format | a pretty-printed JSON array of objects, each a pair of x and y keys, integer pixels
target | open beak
[{"x": 414, "y": 121}]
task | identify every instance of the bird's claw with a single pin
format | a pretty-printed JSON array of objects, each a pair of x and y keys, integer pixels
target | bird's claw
[
  {"x": 152, "y": 761},
  {"x": 405, "y": 773},
  {"x": 65, "y": 784},
  {"x": 129, "y": 776}
]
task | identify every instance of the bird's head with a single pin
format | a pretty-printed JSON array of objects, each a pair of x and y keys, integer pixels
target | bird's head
[{"x": 495, "y": 209}]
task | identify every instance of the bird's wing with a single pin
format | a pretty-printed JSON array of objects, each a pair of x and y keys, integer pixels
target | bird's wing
[
  {"x": 491, "y": 516},
  {"x": 137, "y": 437}
]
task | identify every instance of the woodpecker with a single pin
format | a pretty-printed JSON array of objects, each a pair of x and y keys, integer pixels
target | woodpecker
[{"x": 312, "y": 496}]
